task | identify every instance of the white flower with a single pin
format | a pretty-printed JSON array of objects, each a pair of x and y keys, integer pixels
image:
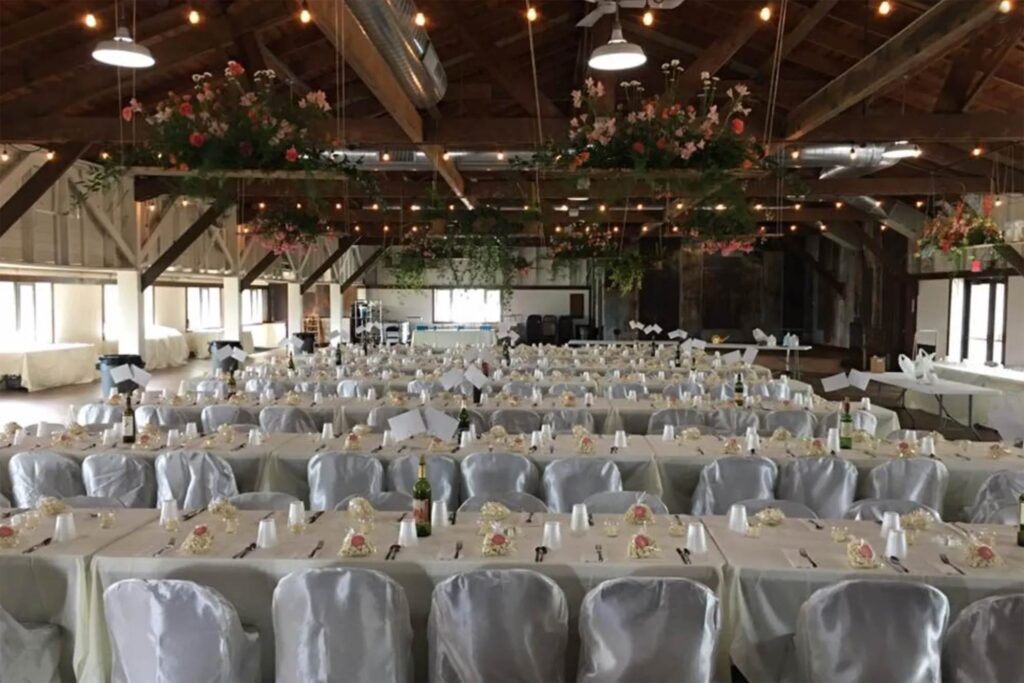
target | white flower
[
  {"x": 674, "y": 62},
  {"x": 741, "y": 89},
  {"x": 577, "y": 99}
]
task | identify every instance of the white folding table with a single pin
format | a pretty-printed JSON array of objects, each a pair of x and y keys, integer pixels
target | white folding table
[{"x": 940, "y": 389}]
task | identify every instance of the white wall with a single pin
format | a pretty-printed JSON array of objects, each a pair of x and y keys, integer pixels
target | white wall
[
  {"x": 169, "y": 307},
  {"x": 1015, "y": 322},
  {"x": 77, "y": 313},
  {"x": 933, "y": 310},
  {"x": 418, "y": 305}
]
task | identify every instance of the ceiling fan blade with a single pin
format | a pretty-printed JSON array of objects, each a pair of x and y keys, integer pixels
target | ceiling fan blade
[{"x": 595, "y": 14}]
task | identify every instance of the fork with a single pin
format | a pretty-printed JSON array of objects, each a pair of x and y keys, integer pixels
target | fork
[
  {"x": 458, "y": 550},
  {"x": 816, "y": 524},
  {"x": 683, "y": 556},
  {"x": 170, "y": 544},
  {"x": 600, "y": 552},
  {"x": 945, "y": 560},
  {"x": 804, "y": 554},
  {"x": 895, "y": 563}
]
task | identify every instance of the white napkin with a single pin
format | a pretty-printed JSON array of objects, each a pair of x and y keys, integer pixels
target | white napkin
[{"x": 759, "y": 335}]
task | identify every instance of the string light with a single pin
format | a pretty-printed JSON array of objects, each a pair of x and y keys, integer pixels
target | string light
[
  {"x": 51, "y": 155},
  {"x": 639, "y": 206},
  {"x": 451, "y": 207},
  {"x": 792, "y": 228},
  {"x": 305, "y": 16},
  {"x": 104, "y": 155},
  {"x": 762, "y": 230},
  {"x": 883, "y": 227},
  {"x": 675, "y": 228},
  {"x": 679, "y": 206},
  {"x": 643, "y": 229},
  {"x": 977, "y": 151},
  {"x": 184, "y": 202},
  {"x": 446, "y": 156},
  {"x": 602, "y": 208},
  {"x": 531, "y": 14},
  {"x": 1005, "y": 6},
  {"x": 420, "y": 19},
  {"x": 999, "y": 201},
  {"x": 795, "y": 154},
  {"x": 152, "y": 207},
  {"x": 824, "y": 227},
  {"x": 357, "y": 228},
  {"x": 387, "y": 228},
  {"x": 375, "y": 206},
  {"x": 90, "y": 20},
  {"x": 797, "y": 207},
  {"x": 193, "y": 16},
  {"x": 878, "y": 202},
  {"x": 261, "y": 206},
  {"x": 839, "y": 205},
  {"x": 648, "y": 18},
  {"x": 766, "y": 13},
  {"x": 615, "y": 228},
  {"x": 4, "y": 156},
  {"x": 558, "y": 228},
  {"x": 501, "y": 156},
  {"x": 385, "y": 156},
  {"x": 919, "y": 203},
  {"x": 298, "y": 205},
  {"x": 758, "y": 207},
  {"x": 884, "y": 8},
  {"x": 338, "y": 206},
  {"x": 719, "y": 207}
]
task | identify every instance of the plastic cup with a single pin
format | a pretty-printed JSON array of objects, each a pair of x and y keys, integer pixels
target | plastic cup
[
  {"x": 266, "y": 533},
  {"x": 64, "y": 528},
  {"x": 668, "y": 433},
  {"x": 327, "y": 432},
  {"x": 896, "y": 544},
  {"x": 439, "y": 514},
  {"x": 738, "y": 518},
  {"x": 579, "y": 523},
  {"x": 696, "y": 539},
  {"x": 407, "y": 533},
  {"x": 169, "y": 514},
  {"x": 552, "y": 537},
  {"x": 890, "y": 522}
]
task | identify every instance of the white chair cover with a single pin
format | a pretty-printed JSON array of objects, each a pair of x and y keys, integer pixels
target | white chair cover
[
  {"x": 164, "y": 417},
  {"x": 42, "y": 474},
  {"x": 759, "y": 389},
  {"x": 335, "y": 476},
  {"x": 490, "y": 625},
  {"x": 385, "y": 501},
  {"x": 262, "y": 500},
  {"x": 722, "y": 391},
  {"x": 574, "y": 389},
  {"x": 731, "y": 479},
  {"x": 516, "y": 420},
  {"x": 312, "y": 386},
  {"x": 779, "y": 391},
  {"x": 617, "y": 502},
  {"x": 516, "y": 501},
  {"x": 379, "y": 416},
  {"x": 648, "y": 629},
  {"x": 4, "y": 503},
  {"x": 997, "y": 491},
  {"x": 789, "y": 508},
  {"x": 128, "y": 479},
  {"x": 212, "y": 387},
  {"x": 350, "y": 388},
  {"x": 420, "y": 385},
  {"x": 442, "y": 473},
  {"x": 259, "y": 386},
  {"x": 827, "y": 485},
  {"x": 524, "y": 389},
  {"x": 677, "y": 417},
  {"x": 922, "y": 480},
  {"x": 907, "y": 435},
  {"x": 99, "y": 414},
  {"x": 875, "y": 508},
  {"x": 193, "y": 478},
  {"x": 872, "y": 630},
  {"x": 733, "y": 421},
  {"x": 475, "y": 418},
  {"x": 799, "y": 422},
  {"x": 1008, "y": 515},
  {"x": 983, "y": 644},
  {"x": 487, "y": 474},
  {"x": 48, "y": 428},
  {"x": 213, "y": 417},
  {"x": 562, "y": 421},
  {"x": 92, "y": 502},
  {"x": 177, "y": 631},
  {"x": 28, "y": 653},
  {"x": 568, "y": 481},
  {"x": 622, "y": 389},
  {"x": 862, "y": 419},
  {"x": 341, "y": 626},
  {"x": 289, "y": 419},
  {"x": 677, "y": 390}
]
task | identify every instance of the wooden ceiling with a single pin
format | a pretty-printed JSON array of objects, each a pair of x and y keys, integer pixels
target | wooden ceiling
[{"x": 848, "y": 75}]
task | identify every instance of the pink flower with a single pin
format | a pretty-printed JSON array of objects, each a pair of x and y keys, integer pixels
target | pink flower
[
  {"x": 234, "y": 69},
  {"x": 639, "y": 511},
  {"x": 196, "y": 139},
  {"x": 357, "y": 541},
  {"x": 200, "y": 530},
  {"x": 866, "y": 551},
  {"x": 985, "y": 552},
  {"x": 127, "y": 113},
  {"x": 737, "y": 126},
  {"x": 291, "y": 154},
  {"x": 6, "y": 531},
  {"x": 183, "y": 166},
  {"x": 641, "y": 541},
  {"x": 498, "y": 539},
  {"x": 638, "y": 147},
  {"x": 185, "y": 109}
]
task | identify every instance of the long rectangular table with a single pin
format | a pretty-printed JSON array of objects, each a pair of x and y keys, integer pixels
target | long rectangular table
[
  {"x": 940, "y": 389},
  {"x": 50, "y": 365}
]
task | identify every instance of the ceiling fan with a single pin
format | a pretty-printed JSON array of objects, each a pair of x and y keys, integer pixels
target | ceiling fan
[{"x": 606, "y": 7}]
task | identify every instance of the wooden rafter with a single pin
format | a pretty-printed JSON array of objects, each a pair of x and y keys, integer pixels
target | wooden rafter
[
  {"x": 184, "y": 241},
  {"x": 343, "y": 245},
  {"x": 826, "y": 275},
  {"x": 32, "y": 190},
  {"x": 793, "y": 38},
  {"x": 365, "y": 266},
  {"x": 718, "y": 55},
  {"x": 261, "y": 266},
  {"x": 967, "y": 76},
  {"x": 934, "y": 32}
]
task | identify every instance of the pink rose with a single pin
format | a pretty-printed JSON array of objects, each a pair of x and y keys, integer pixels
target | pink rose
[
  {"x": 127, "y": 113},
  {"x": 6, "y": 532},
  {"x": 639, "y": 511},
  {"x": 185, "y": 109},
  {"x": 235, "y": 69},
  {"x": 638, "y": 147},
  {"x": 498, "y": 539},
  {"x": 738, "y": 126},
  {"x": 866, "y": 551},
  {"x": 292, "y": 154},
  {"x": 357, "y": 541},
  {"x": 200, "y": 530},
  {"x": 196, "y": 139},
  {"x": 984, "y": 552},
  {"x": 641, "y": 541}
]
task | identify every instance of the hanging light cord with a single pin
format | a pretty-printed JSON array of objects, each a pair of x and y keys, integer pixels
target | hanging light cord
[{"x": 536, "y": 101}]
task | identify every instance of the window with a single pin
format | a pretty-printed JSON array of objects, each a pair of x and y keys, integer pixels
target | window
[
  {"x": 26, "y": 312},
  {"x": 202, "y": 308},
  {"x": 466, "y": 306},
  {"x": 112, "y": 309},
  {"x": 254, "y": 306},
  {"x": 977, "y": 320}
]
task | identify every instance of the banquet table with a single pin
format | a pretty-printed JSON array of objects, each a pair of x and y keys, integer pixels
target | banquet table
[
  {"x": 50, "y": 584},
  {"x": 777, "y": 348},
  {"x": 50, "y": 365},
  {"x": 1007, "y": 381},
  {"x": 249, "y": 583},
  {"x": 329, "y": 409},
  {"x": 940, "y": 389},
  {"x": 969, "y": 463},
  {"x": 766, "y": 581},
  {"x": 447, "y": 338}
]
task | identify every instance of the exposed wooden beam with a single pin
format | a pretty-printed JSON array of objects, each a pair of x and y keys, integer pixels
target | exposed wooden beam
[
  {"x": 812, "y": 17},
  {"x": 184, "y": 241},
  {"x": 934, "y": 32},
  {"x": 823, "y": 273},
  {"x": 258, "y": 269},
  {"x": 38, "y": 25},
  {"x": 343, "y": 245},
  {"x": 717, "y": 55},
  {"x": 1012, "y": 257},
  {"x": 32, "y": 190},
  {"x": 916, "y": 127},
  {"x": 365, "y": 266},
  {"x": 968, "y": 74},
  {"x": 284, "y": 72}
]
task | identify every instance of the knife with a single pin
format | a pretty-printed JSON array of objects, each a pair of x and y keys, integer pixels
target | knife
[
  {"x": 683, "y": 556},
  {"x": 42, "y": 544},
  {"x": 189, "y": 515},
  {"x": 170, "y": 544},
  {"x": 267, "y": 516},
  {"x": 315, "y": 516},
  {"x": 245, "y": 551}
]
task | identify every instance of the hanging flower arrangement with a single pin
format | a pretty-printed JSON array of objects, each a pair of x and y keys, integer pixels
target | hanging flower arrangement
[
  {"x": 624, "y": 263},
  {"x": 284, "y": 229},
  {"x": 958, "y": 228}
]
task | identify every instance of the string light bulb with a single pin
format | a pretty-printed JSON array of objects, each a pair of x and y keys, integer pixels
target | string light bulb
[
  {"x": 338, "y": 206},
  {"x": 675, "y": 228},
  {"x": 262, "y": 206},
  {"x": 1005, "y": 6},
  {"x": 420, "y": 19},
  {"x": 385, "y": 156},
  {"x": 824, "y": 227},
  {"x": 4, "y": 156},
  {"x": 795, "y": 154},
  {"x": 919, "y": 203},
  {"x": 104, "y": 155},
  {"x": 679, "y": 206},
  {"x": 90, "y": 20},
  {"x": 884, "y": 8},
  {"x": 639, "y": 206},
  {"x": 298, "y": 205},
  {"x": 501, "y": 155},
  {"x": 765, "y": 13},
  {"x": 648, "y": 19},
  {"x": 387, "y": 228},
  {"x": 305, "y": 16},
  {"x": 193, "y": 16},
  {"x": 602, "y": 208},
  {"x": 643, "y": 229},
  {"x": 531, "y": 13},
  {"x": 977, "y": 151},
  {"x": 446, "y": 156},
  {"x": 999, "y": 201},
  {"x": 792, "y": 228},
  {"x": 883, "y": 227},
  {"x": 839, "y": 205},
  {"x": 798, "y": 206},
  {"x": 758, "y": 207},
  {"x": 375, "y": 206},
  {"x": 51, "y": 155}
]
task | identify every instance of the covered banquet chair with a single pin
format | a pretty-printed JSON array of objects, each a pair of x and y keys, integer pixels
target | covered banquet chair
[
  {"x": 193, "y": 478},
  {"x": 677, "y": 417},
  {"x": 563, "y": 421},
  {"x": 622, "y": 389},
  {"x": 43, "y": 474},
  {"x": 385, "y": 501},
  {"x": 442, "y": 473},
  {"x": 288, "y": 419},
  {"x": 516, "y": 420},
  {"x": 731, "y": 479},
  {"x": 997, "y": 491},
  {"x": 164, "y": 417},
  {"x": 825, "y": 484},
  {"x": 800, "y": 423},
  {"x": 691, "y": 387},
  {"x": 262, "y": 500},
  {"x": 617, "y": 502},
  {"x": 490, "y": 473},
  {"x": 923, "y": 480},
  {"x": 127, "y": 478},
  {"x": 648, "y": 629},
  {"x": 863, "y": 420},
  {"x": 102, "y": 414},
  {"x": 352, "y": 388},
  {"x": 213, "y": 417},
  {"x": 875, "y": 508},
  {"x": 521, "y": 389},
  {"x": 983, "y": 644},
  {"x": 29, "y": 653},
  {"x": 789, "y": 508},
  {"x": 341, "y": 626},
  {"x": 516, "y": 501},
  {"x": 487, "y": 625},
  {"x": 568, "y": 481},
  {"x": 872, "y": 630},
  {"x": 733, "y": 421},
  {"x": 169, "y": 630},
  {"x": 379, "y": 416},
  {"x": 577, "y": 390},
  {"x": 335, "y": 476}
]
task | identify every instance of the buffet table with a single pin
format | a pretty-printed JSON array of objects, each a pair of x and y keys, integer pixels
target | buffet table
[{"x": 50, "y": 365}]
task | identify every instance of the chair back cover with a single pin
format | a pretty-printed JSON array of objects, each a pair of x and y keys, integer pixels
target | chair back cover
[
  {"x": 490, "y": 625},
  {"x": 28, "y": 654},
  {"x": 288, "y": 419},
  {"x": 880, "y": 631},
  {"x": 800, "y": 423},
  {"x": 350, "y": 388},
  {"x": 907, "y": 435},
  {"x": 516, "y": 501},
  {"x": 516, "y": 420},
  {"x": 4, "y": 503},
  {"x": 313, "y": 386},
  {"x": 863, "y": 420},
  {"x": 193, "y": 478},
  {"x": 677, "y": 417},
  {"x": 733, "y": 421},
  {"x": 211, "y": 387},
  {"x": 126, "y": 478},
  {"x": 779, "y": 391},
  {"x": 523, "y": 389},
  {"x": 691, "y": 387},
  {"x": 875, "y": 508},
  {"x": 420, "y": 385},
  {"x": 789, "y": 508},
  {"x": 164, "y": 417},
  {"x": 731, "y": 479},
  {"x": 922, "y": 480},
  {"x": 92, "y": 502},
  {"x": 213, "y": 417},
  {"x": 335, "y": 476},
  {"x": 177, "y": 631},
  {"x": 42, "y": 474},
  {"x": 49, "y": 428},
  {"x": 262, "y": 500},
  {"x": 1008, "y": 514},
  {"x": 342, "y": 626},
  {"x": 99, "y": 414},
  {"x": 487, "y": 474},
  {"x": 826, "y": 484},
  {"x": 386, "y": 501},
  {"x": 648, "y": 629},
  {"x": 442, "y": 473},
  {"x": 722, "y": 391},
  {"x": 622, "y": 389},
  {"x": 562, "y": 421},
  {"x": 983, "y": 644},
  {"x": 997, "y": 491},
  {"x": 577, "y": 390},
  {"x": 259, "y": 386},
  {"x": 568, "y": 481},
  {"x": 617, "y": 502}
]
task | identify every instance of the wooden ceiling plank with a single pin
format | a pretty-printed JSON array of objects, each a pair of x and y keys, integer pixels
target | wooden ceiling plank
[
  {"x": 933, "y": 33},
  {"x": 366, "y": 265},
  {"x": 810, "y": 20},
  {"x": 967, "y": 76},
  {"x": 33, "y": 189}
]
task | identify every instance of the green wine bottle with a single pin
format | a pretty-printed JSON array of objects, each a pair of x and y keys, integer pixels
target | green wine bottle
[
  {"x": 737, "y": 392},
  {"x": 1020, "y": 518},
  {"x": 463, "y": 421},
  {"x": 128, "y": 421},
  {"x": 845, "y": 427},
  {"x": 421, "y": 500}
]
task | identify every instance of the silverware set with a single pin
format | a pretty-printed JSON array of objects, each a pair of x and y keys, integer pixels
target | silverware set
[
  {"x": 317, "y": 548},
  {"x": 600, "y": 552},
  {"x": 42, "y": 544},
  {"x": 946, "y": 561},
  {"x": 194, "y": 513},
  {"x": 315, "y": 516},
  {"x": 895, "y": 563},
  {"x": 684, "y": 555},
  {"x": 539, "y": 552},
  {"x": 170, "y": 544}
]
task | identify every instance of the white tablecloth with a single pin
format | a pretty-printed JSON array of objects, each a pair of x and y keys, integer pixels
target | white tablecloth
[
  {"x": 165, "y": 347},
  {"x": 50, "y": 365},
  {"x": 448, "y": 338},
  {"x": 998, "y": 379}
]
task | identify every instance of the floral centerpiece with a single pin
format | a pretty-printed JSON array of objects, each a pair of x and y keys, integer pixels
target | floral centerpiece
[
  {"x": 957, "y": 228},
  {"x": 287, "y": 228}
]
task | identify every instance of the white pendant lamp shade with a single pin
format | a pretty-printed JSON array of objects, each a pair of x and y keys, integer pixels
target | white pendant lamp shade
[
  {"x": 123, "y": 51},
  {"x": 617, "y": 54}
]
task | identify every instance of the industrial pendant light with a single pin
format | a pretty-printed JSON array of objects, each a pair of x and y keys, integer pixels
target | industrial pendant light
[
  {"x": 618, "y": 53},
  {"x": 123, "y": 51}
]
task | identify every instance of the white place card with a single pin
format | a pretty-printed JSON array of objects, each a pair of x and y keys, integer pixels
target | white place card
[
  {"x": 406, "y": 425},
  {"x": 440, "y": 425},
  {"x": 513, "y": 337},
  {"x": 451, "y": 379},
  {"x": 222, "y": 353},
  {"x": 699, "y": 343},
  {"x": 835, "y": 382},
  {"x": 859, "y": 379},
  {"x": 140, "y": 376},
  {"x": 476, "y": 377},
  {"x": 749, "y": 354},
  {"x": 121, "y": 373},
  {"x": 656, "y": 327},
  {"x": 677, "y": 334}
]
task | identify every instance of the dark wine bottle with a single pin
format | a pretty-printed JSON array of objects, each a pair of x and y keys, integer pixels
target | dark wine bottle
[
  {"x": 1020, "y": 518},
  {"x": 421, "y": 500},
  {"x": 128, "y": 421}
]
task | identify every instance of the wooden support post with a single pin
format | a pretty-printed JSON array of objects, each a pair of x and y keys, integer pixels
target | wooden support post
[
  {"x": 42, "y": 180},
  {"x": 184, "y": 241},
  {"x": 343, "y": 245}
]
